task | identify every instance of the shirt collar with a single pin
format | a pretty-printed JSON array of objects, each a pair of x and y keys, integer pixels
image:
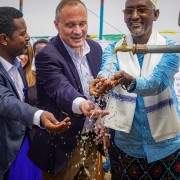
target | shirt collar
[
  {"x": 73, "y": 53},
  {"x": 7, "y": 66}
]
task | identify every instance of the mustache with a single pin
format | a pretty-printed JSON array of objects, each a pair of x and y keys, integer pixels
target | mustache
[{"x": 135, "y": 21}]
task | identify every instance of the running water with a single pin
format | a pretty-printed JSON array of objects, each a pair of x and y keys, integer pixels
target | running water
[
  {"x": 100, "y": 129},
  {"x": 105, "y": 96}
]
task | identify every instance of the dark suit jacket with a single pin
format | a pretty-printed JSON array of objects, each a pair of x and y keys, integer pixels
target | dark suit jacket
[
  {"x": 58, "y": 84},
  {"x": 15, "y": 116}
]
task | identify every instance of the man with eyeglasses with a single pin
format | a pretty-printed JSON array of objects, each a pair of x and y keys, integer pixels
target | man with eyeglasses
[{"x": 143, "y": 107}]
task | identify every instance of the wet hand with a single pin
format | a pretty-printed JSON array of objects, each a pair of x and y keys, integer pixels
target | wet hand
[
  {"x": 52, "y": 125},
  {"x": 91, "y": 110},
  {"x": 117, "y": 78},
  {"x": 121, "y": 77},
  {"x": 100, "y": 85},
  {"x": 96, "y": 85}
]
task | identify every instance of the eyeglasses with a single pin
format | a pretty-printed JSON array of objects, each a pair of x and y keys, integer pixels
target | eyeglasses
[{"x": 140, "y": 11}]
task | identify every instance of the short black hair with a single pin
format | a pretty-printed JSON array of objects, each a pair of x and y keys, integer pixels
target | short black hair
[
  {"x": 7, "y": 16},
  {"x": 39, "y": 41}
]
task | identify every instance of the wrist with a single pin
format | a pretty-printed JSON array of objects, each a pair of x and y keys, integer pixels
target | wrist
[
  {"x": 131, "y": 86},
  {"x": 82, "y": 105},
  {"x": 126, "y": 79}
]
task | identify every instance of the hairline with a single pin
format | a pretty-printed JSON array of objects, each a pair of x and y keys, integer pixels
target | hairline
[
  {"x": 153, "y": 5},
  {"x": 64, "y": 3}
]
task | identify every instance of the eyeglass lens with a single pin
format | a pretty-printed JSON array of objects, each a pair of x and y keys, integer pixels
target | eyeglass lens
[{"x": 140, "y": 11}]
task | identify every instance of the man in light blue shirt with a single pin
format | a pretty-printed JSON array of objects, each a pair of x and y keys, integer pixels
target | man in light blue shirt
[{"x": 143, "y": 108}]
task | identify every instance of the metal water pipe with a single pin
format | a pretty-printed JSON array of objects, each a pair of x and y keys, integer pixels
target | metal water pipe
[{"x": 144, "y": 49}]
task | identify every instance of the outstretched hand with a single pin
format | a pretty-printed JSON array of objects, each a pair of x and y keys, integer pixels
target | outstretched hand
[
  {"x": 101, "y": 85},
  {"x": 91, "y": 110},
  {"x": 123, "y": 78},
  {"x": 52, "y": 125},
  {"x": 95, "y": 85}
]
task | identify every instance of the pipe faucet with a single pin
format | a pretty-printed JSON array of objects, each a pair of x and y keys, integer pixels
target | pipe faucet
[{"x": 124, "y": 47}]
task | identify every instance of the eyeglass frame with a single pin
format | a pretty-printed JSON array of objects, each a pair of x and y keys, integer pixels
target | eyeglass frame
[{"x": 136, "y": 9}]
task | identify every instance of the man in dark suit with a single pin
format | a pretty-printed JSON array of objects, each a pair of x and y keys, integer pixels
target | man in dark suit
[
  {"x": 16, "y": 116},
  {"x": 65, "y": 67}
]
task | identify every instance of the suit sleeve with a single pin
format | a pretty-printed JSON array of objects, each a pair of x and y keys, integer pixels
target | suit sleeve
[
  {"x": 12, "y": 108},
  {"x": 55, "y": 78}
]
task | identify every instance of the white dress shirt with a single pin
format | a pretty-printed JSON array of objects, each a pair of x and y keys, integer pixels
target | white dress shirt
[
  {"x": 12, "y": 70},
  {"x": 86, "y": 78}
]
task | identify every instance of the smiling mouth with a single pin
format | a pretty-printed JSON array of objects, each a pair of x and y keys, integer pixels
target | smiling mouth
[
  {"x": 136, "y": 24},
  {"x": 77, "y": 38}
]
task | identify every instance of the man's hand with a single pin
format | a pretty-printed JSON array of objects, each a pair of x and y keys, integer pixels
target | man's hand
[
  {"x": 121, "y": 77},
  {"x": 52, "y": 125},
  {"x": 100, "y": 85},
  {"x": 91, "y": 110}
]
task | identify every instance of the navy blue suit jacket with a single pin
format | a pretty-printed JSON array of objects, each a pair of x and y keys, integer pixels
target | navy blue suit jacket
[
  {"x": 15, "y": 116},
  {"x": 58, "y": 84}
]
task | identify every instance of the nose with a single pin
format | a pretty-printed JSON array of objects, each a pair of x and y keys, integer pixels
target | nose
[
  {"x": 27, "y": 37},
  {"x": 135, "y": 14},
  {"x": 77, "y": 29}
]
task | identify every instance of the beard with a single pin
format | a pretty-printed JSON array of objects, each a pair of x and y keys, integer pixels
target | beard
[
  {"x": 136, "y": 28},
  {"x": 137, "y": 33}
]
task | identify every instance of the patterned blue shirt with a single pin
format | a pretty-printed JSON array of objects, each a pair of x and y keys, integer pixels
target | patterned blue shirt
[{"x": 139, "y": 142}]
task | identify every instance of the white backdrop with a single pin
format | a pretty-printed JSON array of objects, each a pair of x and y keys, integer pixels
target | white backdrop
[{"x": 39, "y": 16}]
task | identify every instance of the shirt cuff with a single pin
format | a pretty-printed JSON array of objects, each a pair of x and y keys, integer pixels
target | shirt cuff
[
  {"x": 36, "y": 118},
  {"x": 75, "y": 105}
]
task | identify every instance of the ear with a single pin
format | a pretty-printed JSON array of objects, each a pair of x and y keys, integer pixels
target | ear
[
  {"x": 3, "y": 39},
  {"x": 56, "y": 25},
  {"x": 156, "y": 14}
]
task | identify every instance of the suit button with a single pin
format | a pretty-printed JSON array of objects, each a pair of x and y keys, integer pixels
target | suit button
[
  {"x": 22, "y": 132},
  {"x": 16, "y": 152}
]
